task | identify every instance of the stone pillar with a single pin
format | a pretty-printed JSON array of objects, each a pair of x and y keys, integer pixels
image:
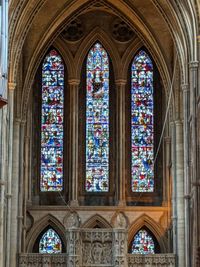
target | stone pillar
[
  {"x": 180, "y": 194},
  {"x": 14, "y": 242},
  {"x": 21, "y": 196},
  {"x": 166, "y": 172},
  {"x": 121, "y": 137},
  {"x": 120, "y": 248},
  {"x": 73, "y": 247},
  {"x": 186, "y": 105},
  {"x": 74, "y": 92},
  {"x": 3, "y": 185},
  {"x": 11, "y": 88},
  {"x": 193, "y": 149}
]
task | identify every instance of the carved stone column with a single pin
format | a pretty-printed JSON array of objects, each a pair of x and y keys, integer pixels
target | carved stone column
[
  {"x": 180, "y": 194},
  {"x": 73, "y": 247},
  {"x": 3, "y": 185},
  {"x": 72, "y": 223},
  {"x": 120, "y": 91},
  {"x": 120, "y": 248},
  {"x": 120, "y": 240},
  {"x": 11, "y": 88},
  {"x": 186, "y": 106},
  {"x": 74, "y": 90},
  {"x": 193, "y": 152}
]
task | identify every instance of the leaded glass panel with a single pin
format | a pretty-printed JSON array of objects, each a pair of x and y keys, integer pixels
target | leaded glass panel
[
  {"x": 50, "y": 243},
  {"x": 143, "y": 243},
  {"x": 97, "y": 120},
  {"x": 142, "y": 124},
  {"x": 52, "y": 123}
]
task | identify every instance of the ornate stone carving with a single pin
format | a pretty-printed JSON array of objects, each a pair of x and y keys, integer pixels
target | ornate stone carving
[
  {"x": 73, "y": 31},
  {"x": 97, "y": 247},
  {"x": 72, "y": 220},
  {"x": 164, "y": 260},
  {"x": 34, "y": 259},
  {"x": 120, "y": 221},
  {"x": 121, "y": 31},
  {"x": 96, "y": 255}
]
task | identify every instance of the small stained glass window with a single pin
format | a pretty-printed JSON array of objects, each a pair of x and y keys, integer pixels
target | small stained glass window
[
  {"x": 143, "y": 243},
  {"x": 50, "y": 243},
  {"x": 97, "y": 120},
  {"x": 142, "y": 124},
  {"x": 51, "y": 169}
]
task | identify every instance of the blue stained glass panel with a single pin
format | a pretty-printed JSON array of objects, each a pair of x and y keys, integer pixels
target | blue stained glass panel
[
  {"x": 50, "y": 243},
  {"x": 143, "y": 243},
  {"x": 51, "y": 169},
  {"x": 97, "y": 120},
  {"x": 142, "y": 124}
]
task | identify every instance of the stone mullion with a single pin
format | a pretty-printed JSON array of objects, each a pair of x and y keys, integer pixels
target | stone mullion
[
  {"x": 120, "y": 139},
  {"x": 180, "y": 194},
  {"x": 74, "y": 92}
]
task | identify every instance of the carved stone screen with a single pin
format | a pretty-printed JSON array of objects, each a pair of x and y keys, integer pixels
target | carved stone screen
[
  {"x": 142, "y": 124},
  {"x": 97, "y": 120},
  {"x": 51, "y": 168}
]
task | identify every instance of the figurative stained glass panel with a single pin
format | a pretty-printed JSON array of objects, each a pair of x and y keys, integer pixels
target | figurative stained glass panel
[
  {"x": 143, "y": 243},
  {"x": 142, "y": 124},
  {"x": 97, "y": 120},
  {"x": 52, "y": 123},
  {"x": 50, "y": 243}
]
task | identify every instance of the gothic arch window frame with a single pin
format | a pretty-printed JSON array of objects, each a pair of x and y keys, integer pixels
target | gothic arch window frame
[
  {"x": 156, "y": 230},
  {"x": 90, "y": 198},
  {"x": 39, "y": 227},
  {"x": 155, "y": 197},
  {"x": 36, "y": 245},
  {"x": 49, "y": 197}
]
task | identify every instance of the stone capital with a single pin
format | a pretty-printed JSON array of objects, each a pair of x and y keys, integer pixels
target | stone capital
[
  {"x": 194, "y": 64},
  {"x": 11, "y": 86},
  {"x": 178, "y": 122},
  {"x": 74, "y": 82},
  {"x": 185, "y": 87},
  {"x": 167, "y": 139},
  {"x": 120, "y": 82}
]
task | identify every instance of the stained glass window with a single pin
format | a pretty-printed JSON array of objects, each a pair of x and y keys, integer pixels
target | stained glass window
[
  {"x": 97, "y": 120},
  {"x": 143, "y": 243},
  {"x": 142, "y": 124},
  {"x": 52, "y": 123},
  {"x": 50, "y": 243}
]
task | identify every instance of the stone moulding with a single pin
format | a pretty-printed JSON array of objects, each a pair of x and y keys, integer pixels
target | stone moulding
[{"x": 44, "y": 260}]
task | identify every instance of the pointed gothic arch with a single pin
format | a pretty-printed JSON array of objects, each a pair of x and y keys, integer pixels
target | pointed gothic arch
[
  {"x": 150, "y": 224},
  {"x": 96, "y": 221},
  {"x": 39, "y": 227}
]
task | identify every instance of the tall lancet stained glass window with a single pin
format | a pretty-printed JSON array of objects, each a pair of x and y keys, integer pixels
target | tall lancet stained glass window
[
  {"x": 50, "y": 243},
  {"x": 97, "y": 120},
  {"x": 143, "y": 243},
  {"x": 52, "y": 123},
  {"x": 142, "y": 124}
]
